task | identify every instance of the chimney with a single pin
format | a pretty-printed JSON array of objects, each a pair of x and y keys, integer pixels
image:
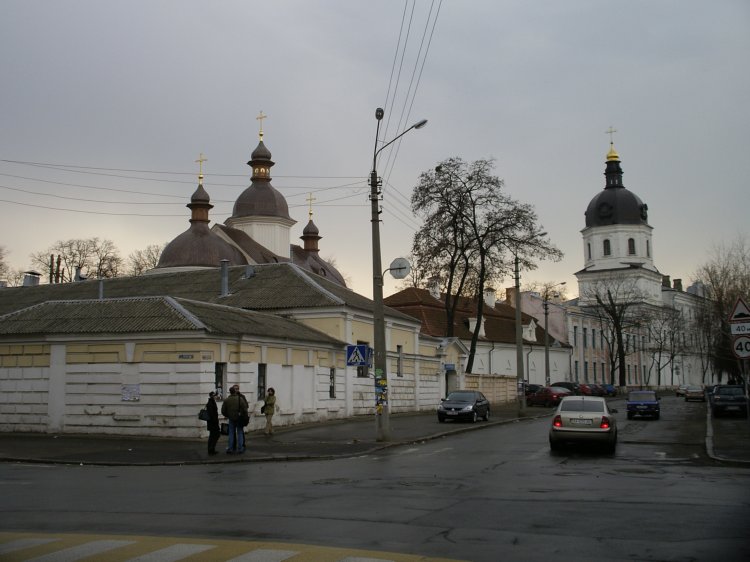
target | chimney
[
  {"x": 510, "y": 296},
  {"x": 678, "y": 285},
  {"x": 434, "y": 288},
  {"x": 665, "y": 281},
  {"x": 490, "y": 297},
  {"x": 224, "y": 278},
  {"x": 31, "y": 278}
]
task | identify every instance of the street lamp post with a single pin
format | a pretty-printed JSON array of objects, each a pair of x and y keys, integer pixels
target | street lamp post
[
  {"x": 545, "y": 304},
  {"x": 520, "y": 390},
  {"x": 382, "y": 408}
]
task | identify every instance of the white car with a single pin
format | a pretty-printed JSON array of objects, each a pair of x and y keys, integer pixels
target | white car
[{"x": 583, "y": 419}]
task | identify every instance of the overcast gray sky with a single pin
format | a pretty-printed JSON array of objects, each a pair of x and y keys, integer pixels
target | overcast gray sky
[{"x": 94, "y": 90}]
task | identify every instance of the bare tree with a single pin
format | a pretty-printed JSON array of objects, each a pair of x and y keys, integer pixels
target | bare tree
[
  {"x": 90, "y": 257},
  {"x": 13, "y": 277},
  {"x": 664, "y": 327},
  {"x": 617, "y": 303},
  {"x": 141, "y": 261},
  {"x": 470, "y": 226},
  {"x": 726, "y": 278}
]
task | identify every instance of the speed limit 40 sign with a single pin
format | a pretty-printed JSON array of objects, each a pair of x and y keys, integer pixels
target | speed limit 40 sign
[{"x": 741, "y": 347}]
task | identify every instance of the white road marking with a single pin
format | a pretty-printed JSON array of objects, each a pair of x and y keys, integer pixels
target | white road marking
[
  {"x": 173, "y": 553},
  {"x": 81, "y": 551}
]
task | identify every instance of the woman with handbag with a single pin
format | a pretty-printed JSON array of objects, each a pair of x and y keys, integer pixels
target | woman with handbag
[
  {"x": 269, "y": 406},
  {"x": 212, "y": 423}
]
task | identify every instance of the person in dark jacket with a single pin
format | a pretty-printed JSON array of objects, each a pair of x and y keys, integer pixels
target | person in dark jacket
[
  {"x": 234, "y": 409},
  {"x": 212, "y": 424}
]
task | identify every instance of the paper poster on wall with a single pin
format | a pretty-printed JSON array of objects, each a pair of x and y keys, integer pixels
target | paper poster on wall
[{"x": 131, "y": 392}]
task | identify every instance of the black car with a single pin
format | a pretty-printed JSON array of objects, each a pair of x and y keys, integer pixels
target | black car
[
  {"x": 469, "y": 405},
  {"x": 573, "y": 387},
  {"x": 530, "y": 388},
  {"x": 728, "y": 399}
]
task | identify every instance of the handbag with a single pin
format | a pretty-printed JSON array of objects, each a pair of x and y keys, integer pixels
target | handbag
[
  {"x": 224, "y": 427},
  {"x": 204, "y": 415},
  {"x": 243, "y": 419}
]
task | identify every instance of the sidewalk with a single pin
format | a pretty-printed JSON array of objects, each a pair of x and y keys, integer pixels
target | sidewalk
[{"x": 327, "y": 440}]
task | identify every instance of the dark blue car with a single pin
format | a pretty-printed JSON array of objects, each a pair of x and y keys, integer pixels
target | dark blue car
[{"x": 643, "y": 403}]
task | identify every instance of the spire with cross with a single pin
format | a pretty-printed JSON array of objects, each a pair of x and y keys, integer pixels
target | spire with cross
[
  {"x": 310, "y": 200},
  {"x": 612, "y": 154},
  {"x": 200, "y": 162},
  {"x": 260, "y": 118}
]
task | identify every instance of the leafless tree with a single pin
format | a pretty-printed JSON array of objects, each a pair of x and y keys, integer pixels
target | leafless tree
[
  {"x": 141, "y": 261},
  {"x": 617, "y": 304},
  {"x": 664, "y": 327},
  {"x": 470, "y": 228},
  {"x": 726, "y": 277},
  {"x": 90, "y": 256}
]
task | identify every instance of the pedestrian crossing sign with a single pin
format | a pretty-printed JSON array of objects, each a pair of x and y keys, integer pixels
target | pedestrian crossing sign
[{"x": 357, "y": 355}]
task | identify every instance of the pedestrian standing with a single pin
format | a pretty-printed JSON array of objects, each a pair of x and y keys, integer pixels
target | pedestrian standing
[
  {"x": 212, "y": 423},
  {"x": 269, "y": 407},
  {"x": 235, "y": 410}
]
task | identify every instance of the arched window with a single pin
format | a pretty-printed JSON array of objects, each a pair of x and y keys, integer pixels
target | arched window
[
  {"x": 607, "y": 248},
  {"x": 631, "y": 246}
]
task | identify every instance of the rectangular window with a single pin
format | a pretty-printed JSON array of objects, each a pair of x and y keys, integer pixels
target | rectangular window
[
  {"x": 576, "y": 370},
  {"x": 593, "y": 366},
  {"x": 400, "y": 361},
  {"x": 220, "y": 380},
  {"x": 585, "y": 371},
  {"x": 575, "y": 336},
  {"x": 604, "y": 374},
  {"x": 585, "y": 337},
  {"x": 601, "y": 339},
  {"x": 261, "y": 380},
  {"x": 332, "y": 383},
  {"x": 593, "y": 338},
  {"x": 363, "y": 370}
]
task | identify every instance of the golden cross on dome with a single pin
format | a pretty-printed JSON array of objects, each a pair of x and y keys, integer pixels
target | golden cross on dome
[
  {"x": 611, "y": 131},
  {"x": 310, "y": 199},
  {"x": 260, "y": 118},
  {"x": 200, "y": 161}
]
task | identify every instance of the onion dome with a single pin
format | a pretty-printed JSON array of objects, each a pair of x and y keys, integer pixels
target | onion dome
[
  {"x": 615, "y": 204},
  {"x": 198, "y": 246},
  {"x": 310, "y": 236},
  {"x": 261, "y": 198}
]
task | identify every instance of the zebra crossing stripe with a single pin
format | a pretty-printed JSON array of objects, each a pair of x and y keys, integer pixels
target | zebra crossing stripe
[
  {"x": 173, "y": 553},
  {"x": 265, "y": 555},
  {"x": 22, "y": 544},
  {"x": 82, "y": 550}
]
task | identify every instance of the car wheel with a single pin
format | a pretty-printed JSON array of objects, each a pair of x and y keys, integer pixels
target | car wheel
[
  {"x": 487, "y": 415},
  {"x": 474, "y": 417},
  {"x": 612, "y": 447},
  {"x": 554, "y": 445}
]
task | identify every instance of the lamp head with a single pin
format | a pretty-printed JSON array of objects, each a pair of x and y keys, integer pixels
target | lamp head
[
  {"x": 420, "y": 124},
  {"x": 379, "y": 113}
]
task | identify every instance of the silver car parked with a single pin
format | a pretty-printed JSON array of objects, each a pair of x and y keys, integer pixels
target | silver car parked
[{"x": 583, "y": 419}]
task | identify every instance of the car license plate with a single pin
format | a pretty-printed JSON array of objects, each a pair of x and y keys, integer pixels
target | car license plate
[
  {"x": 580, "y": 422},
  {"x": 452, "y": 413},
  {"x": 641, "y": 407},
  {"x": 733, "y": 408}
]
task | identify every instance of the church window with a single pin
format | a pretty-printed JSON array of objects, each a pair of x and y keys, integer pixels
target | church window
[
  {"x": 648, "y": 249},
  {"x": 362, "y": 370},
  {"x": 589, "y": 249},
  {"x": 585, "y": 337},
  {"x": 575, "y": 335},
  {"x": 607, "y": 248},
  {"x": 631, "y": 246},
  {"x": 332, "y": 383},
  {"x": 399, "y": 360},
  {"x": 261, "y": 379}
]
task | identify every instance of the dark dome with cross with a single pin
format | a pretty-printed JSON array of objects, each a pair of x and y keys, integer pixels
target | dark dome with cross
[{"x": 615, "y": 204}]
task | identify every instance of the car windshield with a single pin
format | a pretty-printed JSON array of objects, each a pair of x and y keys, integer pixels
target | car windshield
[
  {"x": 580, "y": 405},
  {"x": 729, "y": 391},
  {"x": 694, "y": 388},
  {"x": 642, "y": 396},
  {"x": 558, "y": 389},
  {"x": 461, "y": 396}
]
